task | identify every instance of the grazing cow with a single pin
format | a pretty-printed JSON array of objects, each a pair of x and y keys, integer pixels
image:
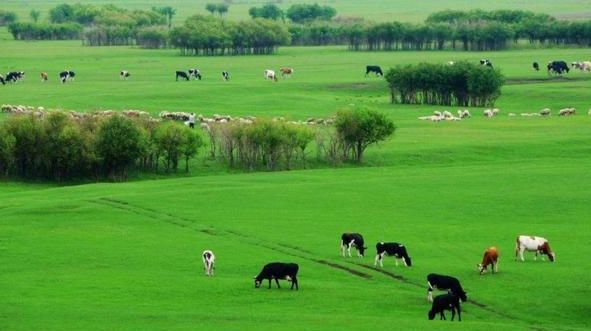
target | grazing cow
[
  {"x": 376, "y": 69},
  {"x": 182, "y": 74},
  {"x": 208, "y": 262},
  {"x": 352, "y": 239},
  {"x": 445, "y": 283},
  {"x": 2, "y": 80},
  {"x": 286, "y": 71},
  {"x": 583, "y": 66},
  {"x": 64, "y": 76},
  {"x": 44, "y": 76},
  {"x": 225, "y": 75},
  {"x": 270, "y": 74},
  {"x": 15, "y": 76},
  {"x": 278, "y": 270},
  {"x": 392, "y": 249},
  {"x": 557, "y": 67},
  {"x": 536, "y": 66},
  {"x": 486, "y": 62},
  {"x": 124, "y": 74},
  {"x": 491, "y": 257},
  {"x": 195, "y": 73},
  {"x": 444, "y": 302},
  {"x": 533, "y": 244}
]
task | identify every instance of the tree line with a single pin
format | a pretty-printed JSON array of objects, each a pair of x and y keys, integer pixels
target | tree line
[{"x": 459, "y": 84}]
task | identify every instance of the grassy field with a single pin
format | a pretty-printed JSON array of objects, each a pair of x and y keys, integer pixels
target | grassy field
[
  {"x": 376, "y": 10},
  {"x": 127, "y": 256}
]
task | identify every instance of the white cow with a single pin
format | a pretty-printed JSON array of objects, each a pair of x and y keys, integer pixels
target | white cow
[
  {"x": 270, "y": 74},
  {"x": 208, "y": 262},
  {"x": 533, "y": 244}
]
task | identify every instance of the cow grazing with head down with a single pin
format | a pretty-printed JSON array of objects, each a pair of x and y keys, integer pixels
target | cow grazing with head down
[
  {"x": 44, "y": 77},
  {"x": 278, "y": 270},
  {"x": 491, "y": 257},
  {"x": 352, "y": 239},
  {"x": 486, "y": 62},
  {"x": 286, "y": 71},
  {"x": 195, "y": 73},
  {"x": 372, "y": 68},
  {"x": 444, "y": 302},
  {"x": 181, "y": 74},
  {"x": 398, "y": 251},
  {"x": 270, "y": 74},
  {"x": 15, "y": 76},
  {"x": 442, "y": 282},
  {"x": 536, "y": 66},
  {"x": 208, "y": 262},
  {"x": 225, "y": 75},
  {"x": 533, "y": 244},
  {"x": 124, "y": 74},
  {"x": 557, "y": 67}
]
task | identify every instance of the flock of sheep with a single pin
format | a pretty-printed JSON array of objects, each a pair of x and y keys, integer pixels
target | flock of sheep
[{"x": 463, "y": 114}]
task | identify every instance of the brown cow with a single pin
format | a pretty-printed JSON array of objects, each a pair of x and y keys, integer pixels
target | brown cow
[
  {"x": 285, "y": 71},
  {"x": 491, "y": 257},
  {"x": 44, "y": 76}
]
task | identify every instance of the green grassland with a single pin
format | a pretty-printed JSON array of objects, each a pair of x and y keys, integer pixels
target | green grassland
[
  {"x": 376, "y": 10},
  {"x": 127, "y": 256}
]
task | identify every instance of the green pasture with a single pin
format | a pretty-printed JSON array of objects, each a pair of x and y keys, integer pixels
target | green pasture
[
  {"x": 106, "y": 256},
  {"x": 375, "y": 10}
]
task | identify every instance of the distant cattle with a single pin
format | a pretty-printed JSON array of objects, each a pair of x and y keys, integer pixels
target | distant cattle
[
  {"x": 376, "y": 69},
  {"x": 533, "y": 244},
  {"x": 491, "y": 257},
  {"x": 536, "y": 66},
  {"x": 66, "y": 75},
  {"x": 2, "y": 80},
  {"x": 557, "y": 67},
  {"x": 270, "y": 74},
  {"x": 444, "y": 302},
  {"x": 195, "y": 73},
  {"x": 225, "y": 75},
  {"x": 44, "y": 76},
  {"x": 583, "y": 66},
  {"x": 486, "y": 62},
  {"x": 278, "y": 270},
  {"x": 124, "y": 74},
  {"x": 208, "y": 262},
  {"x": 352, "y": 239},
  {"x": 14, "y": 76},
  {"x": 286, "y": 71},
  {"x": 182, "y": 74},
  {"x": 398, "y": 251},
  {"x": 442, "y": 282}
]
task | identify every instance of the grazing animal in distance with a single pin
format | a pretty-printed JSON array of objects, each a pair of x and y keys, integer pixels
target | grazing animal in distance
[
  {"x": 195, "y": 73},
  {"x": 66, "y": 75},
  {"x": 442, "y": 282},
  {"x": 373, "y": 68},
  {"x": 286, "y": 71},
  {"x": 2, "y": 80},
  {"x": 124, "y": 74},
  {"x": 208, "y": 262},
  {"x": 398, "y": 251},
  {"x": 486, "y": 62},
  {"x": 491, "y": 257},
  {"x": 225, "y": 75},
  {"x": 533, "y": 244},
  {"x": 444, "y": 302},
  {"x": 536, "y": 66},
  {"x": 44, "y": 77},
  {"x": 557, "y": 67},
  {"x": 352, "y": 239},
  {"x": 182, "y": 74},
  {"x": 278, "y": 270},
  {"x": 270, "y": 74}
]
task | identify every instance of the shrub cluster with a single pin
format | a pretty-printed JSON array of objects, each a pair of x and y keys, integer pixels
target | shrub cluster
[
  {"x": 44, "y": 31},
  {"x": 59, "y": 147},
  {"x": 7, "y": 17},
  {"x": 460, "y": 84}
]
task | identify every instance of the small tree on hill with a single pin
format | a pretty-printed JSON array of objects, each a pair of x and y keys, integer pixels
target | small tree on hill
[
  {"x": 118, "y": 145},
  {"x": 35, "y": 14}
]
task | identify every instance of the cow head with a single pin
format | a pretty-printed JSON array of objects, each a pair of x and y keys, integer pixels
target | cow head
[
  {"x": 362, "y": 250},
  {"x": 408, "y": 261},
  {"x": 481, "y": 268},
  {"x": 257, "y": 282},
  {"x": 545, "y": 249},
  {"x": 431, "y": 314}
]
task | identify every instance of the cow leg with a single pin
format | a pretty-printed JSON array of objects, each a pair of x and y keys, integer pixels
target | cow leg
[
  {"x": 429, "y": 292},
  {"x": 521, "y": 254},
  {"x": 442, "y": 316},
  {"x": 396, "y": 260},
  {"x": 459, "y": 308},
  {"x": 269, "y": 283},
  {"x": 277, "y": 281},
  {"x": 294, "y": 281}
]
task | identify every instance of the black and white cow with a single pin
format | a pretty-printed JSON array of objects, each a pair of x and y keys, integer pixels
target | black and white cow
[
  {"x": 398, "y": 251},
  {"x": 444, "y": 302},
  {"x": 278, "y": 270},
  {"x": 225, "y": 75},
  {"x": 442, "y": 282},
  {"x": 124, "y": 74},
  {"x": 195, "y": 73},
  {"x": 557, "y": 67},
  {"x": 66, "y": 75},
  {"x": 208, "y": 262},
  {"x": 486, "y": 62},
  {"x": 373, "y": 68},
  {"x": 352, "y": 239},
  {"x": 536, "y": 66},
  {"x": 14, "y": 76},
  {"x": 182, "y": 74},
  {"x": 2, "y": 80}
]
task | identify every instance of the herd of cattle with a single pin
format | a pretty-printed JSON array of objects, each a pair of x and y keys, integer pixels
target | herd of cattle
[{"x": 449, "y": 301}]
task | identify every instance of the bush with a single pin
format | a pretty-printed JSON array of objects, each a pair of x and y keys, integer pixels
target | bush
[
  {"x": 118, "y": 145},
  {"x": 7, "y": 17}
]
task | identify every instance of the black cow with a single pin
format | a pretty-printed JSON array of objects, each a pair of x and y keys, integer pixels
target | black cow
[
  {"x": 392, "y": 249},
  {"x": 64, "y": 76},
  {"x": 278, "y": 270},
  {"x": 352, "y": 239},
  {"x": 225, "y": 75},
  {"x": 15, "y": 76},
  {"x": 375, "y": 69},
  {"x": 195, "y": 73},
  {"x": 71, "y": 75},
  {"x": 557, "y": 67},
  {"x": 445, "y": 283},
  {"x": 182, "y": 74},
  {"x": 444, "y": 302},
  {"x": 536, "y": 66},
  {"x": 486, "y": 62}
]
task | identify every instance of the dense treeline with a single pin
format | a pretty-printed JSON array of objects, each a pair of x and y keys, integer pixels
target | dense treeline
[
  {"x": 59, "y": 147},
  {"x": 479, "y": 15},
  {"x": 7, "y": 17},
  {"x": 44, "y": 31},
  {"x": 209, "y": 35},
  {"x": 460, "y": 84}
]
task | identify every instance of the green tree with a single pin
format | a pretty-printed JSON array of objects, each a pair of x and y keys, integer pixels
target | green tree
[
  {"x": 35, "y": 14},
  {"x": 167, "y": 11},
  {"x": 193, "y": 141},
  {"x": 211, "y": 8},
  {"x": 361, "y": 128},
  {"x": 7, "y": 17},
  {"x": 61, "y": 14},
  {"x": 269, "y": 11},
  {"x": 118, "y": 146},
  {"x": 7, "y": 143}
]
